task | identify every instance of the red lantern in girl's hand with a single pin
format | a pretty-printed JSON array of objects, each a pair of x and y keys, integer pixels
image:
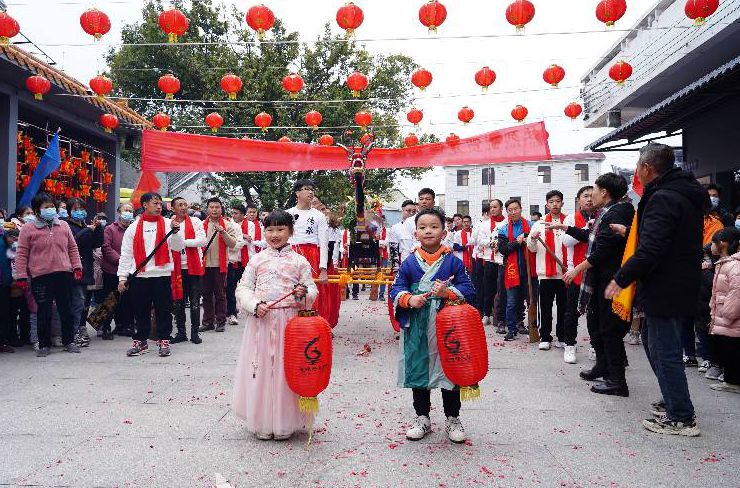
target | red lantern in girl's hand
[
  {"x": 411, "y": 140},
  {"x": 9, "y": 28},
  {"x": 293, "y": 83},
  {"x": 285, "y": 139},
  {"x": 326, "y": 140},
  {"x": 357, "y": 82},
  {"x": 38, "y": 85},
  {"x": 231, "y": 84},
  {"x": 415, "y": 116},
  {"x": 519, "y": 113},
  {"x": 699, "y": 10},
  {"x": 520, "y": 13},
  {"x": 313, "y": 119},
  {"x": 463, "y": 352},
  {"x": 421, "y": 79},
  {"x": 610, "y": 11},
  {"x": 620, "y": 72},
  {"x": 553, "y": 75},
  {"x": 485, "y": 77},
  {"x": 109, "y": 122},
  {"x": 573, "y": 110},
  {"x": 95, "y": 23},
  {"x": 307, "y": 357},
  {"x": 101, "y": 85},
  {"x": 173, "y": 23},
  {"x": 263, "y": 120},
  {"x": 169, "y": 85},
  {"x": 350, "y": 17},
  {"x": 465, "y": 114},
  {"x": 452, "y": 139},
  {"x": 214, "y": 121},
  {"x": 363, "y": 119},
  {"x": 261, "y": 19},
  {"x": 432, "y": 14},
  {"x": 161, "y": 121}
]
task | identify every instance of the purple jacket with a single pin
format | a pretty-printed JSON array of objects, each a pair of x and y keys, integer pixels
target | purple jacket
[{"x": 112, "y": 238}]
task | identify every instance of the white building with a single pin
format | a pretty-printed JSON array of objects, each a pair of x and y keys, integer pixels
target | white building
[{"x": 468, "y": 187}]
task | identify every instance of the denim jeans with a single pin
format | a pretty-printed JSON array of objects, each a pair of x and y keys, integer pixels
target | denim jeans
[
  {"x": 77, "y": 296},
  {"x": 662, "y": 339},
  {"x": 515, "y": 297}
]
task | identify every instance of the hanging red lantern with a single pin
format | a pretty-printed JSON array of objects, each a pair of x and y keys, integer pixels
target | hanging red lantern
[
  {"x": 231, "y": 84},
  {"x": 485, "y": 77},
  {"x": 465, "y": 114},
  {"x": 573, "y": 110},
  {"x": 411, "y": 140},
  {"x": 38, "y": 85},
  {"x": 161, "y": 121},
  {"x": 363, "y": 119},
  {"x": 350, "y": 17},
  {"x": 173, "y": 23},
  {"x": 313, "y": 119},
  {"x": 415, "y": 116},
  {"x": 101, "y": 85},
  {"x": 553, "y": 75},
  {"x": 326, "y": 140},
  {"x": 293, "y": 83},
  {"x": 285, "y": 139},
  {"x": 109, "y": 122},
  {"x": 307, "y": 356},
  {"x": 263, "y": 120},
  {"x": 519, "y": 113},
  {"x": 261, "y": 19},
  {"x": 421, "y": 79},
  {"x": 432, "y": 14},
  {"x": 95, "y": 22},
  {"x": 520, "y": 13},
  {"x": 699, "y": 10},
  {"x": 610, "y": 11},
  {"x": 9, "y": 28},
  {"x": 367, "y": 138},
  {"x": 452, "y": 139},
  {"x": 357, "y": 82},
  {"x": 169, "y": 85},
  {"x": 461, "y": 342},
  {"x": 620, "y": 72},
  {"x": 214, "y": 121}
]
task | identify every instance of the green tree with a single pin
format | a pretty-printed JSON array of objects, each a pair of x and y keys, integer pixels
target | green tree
[{"x": 218, "y": 41}]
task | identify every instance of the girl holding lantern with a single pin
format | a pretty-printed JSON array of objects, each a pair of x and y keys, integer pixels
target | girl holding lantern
[{"x": 262, "y": 396}]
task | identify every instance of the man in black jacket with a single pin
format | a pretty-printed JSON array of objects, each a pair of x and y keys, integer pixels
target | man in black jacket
[{"x": 667, "y": 268}]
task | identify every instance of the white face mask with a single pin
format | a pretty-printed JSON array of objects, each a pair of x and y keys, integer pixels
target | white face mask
[
  {"x": 715, "y": 201},
  {"x": 29, "y": 219}
]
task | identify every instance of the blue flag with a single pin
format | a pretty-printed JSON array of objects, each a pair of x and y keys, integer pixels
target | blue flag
[{"x": 49, "y": 163}]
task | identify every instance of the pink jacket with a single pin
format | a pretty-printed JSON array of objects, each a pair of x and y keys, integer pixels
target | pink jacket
[
  {"x": 725, "y": 303},
  {"x": 44, "y": 250}
]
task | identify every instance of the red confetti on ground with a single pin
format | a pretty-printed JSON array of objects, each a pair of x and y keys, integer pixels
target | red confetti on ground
[
  {"x": 486, "y": 471},
  {"x": 127, "y": 421}
]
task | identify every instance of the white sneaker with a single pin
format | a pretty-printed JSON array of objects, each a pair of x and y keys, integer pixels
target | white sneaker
[
  {"x": 35, "y": 346},
  {"x": 713, "y": 373},
  {"x": 485, "y": 320},
  {"x": 233, "y": 320},
  {"x": 455, "y": 431},
  {"x": 420, "y": 427},
  {"x": 558, "y": 344},
  {"x": 569, "y": 356},
  {"x": 704, "y": 366},
  {"x": 544, "y": 346},
  {"x": 56, "y": 341},
  {"x": 592, "y": 354}
]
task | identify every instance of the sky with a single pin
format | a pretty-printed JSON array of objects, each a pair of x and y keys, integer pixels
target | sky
[{"x": 453, "y": 55}]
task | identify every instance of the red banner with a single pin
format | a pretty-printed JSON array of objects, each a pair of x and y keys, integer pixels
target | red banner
[{"x": 178, "y": 152}]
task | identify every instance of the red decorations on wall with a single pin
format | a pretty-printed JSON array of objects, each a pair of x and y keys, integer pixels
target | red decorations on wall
[
  {"x": 421, "y": 78},
  {"x": 95, "y": 23},
  {"x": 326, "y": 140},
  {"x": 350, "y": 17},
  {"x": 261, "y": 19},
  {"x": 553, "y": 75},
  {"x": 465, "y": 114},
  {"x": 452, "y": 139},
  {"x": 101, "y": 86},
  {"x": 161, "y": 121},
  {"x": 313, "y": 119},
  {"x": 357, "y": 82},
  {"x": 363, "y": 119},
  {"x": 38, "y": 85},
  {"x": 169, "y": 85},
  {"x": 519, "y": 113},
  {"x": 699, "y": 10},
  {"x": 109, "y": 122},
  {"x": 214, "y": 121},
  {"x": 432, "y": 14},
  {"x": 173, "y": 23},
  {"x": 263, "y": 120},
  {"x": 520, "y": 13},
  {"x": 610, "y": 11},
  {"x": 573, "y": 110},
  {"x": 231, "y": 84},
  {"x": 9, "y": 28},
  {"x": 307, "y": 354},
  {"x": 411, "y": 140},
  {"x": 415, "y": 116},
  {"x": 293, "y": 83},
  {"x": 485, "y": 77},
  {"x": 620, "y": 72},
  {"x": 285, "y": 139}
]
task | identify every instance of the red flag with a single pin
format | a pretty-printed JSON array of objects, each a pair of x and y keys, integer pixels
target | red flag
[
  {"x": 636, "y": 184},
  {"x": 147, "y": 183}
]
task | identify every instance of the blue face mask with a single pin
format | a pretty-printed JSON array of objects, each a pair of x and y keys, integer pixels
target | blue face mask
[
  {"x": 48, "y": 214},
  {"x": 79, "y": 214},
  {"x": 29, "y": 219},
  {"x": 737, "y": 224},
  {"x": 63, "y": 213},
  {"x": 127, "y": 216}
]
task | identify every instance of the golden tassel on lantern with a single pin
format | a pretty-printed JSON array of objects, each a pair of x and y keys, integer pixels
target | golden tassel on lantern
[
  {"x": 308, "y": 404},
  {"x": 469, "y": 393}
]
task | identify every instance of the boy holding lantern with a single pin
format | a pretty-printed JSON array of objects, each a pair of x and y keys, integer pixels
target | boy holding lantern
[{"x": 427, "y": 277}]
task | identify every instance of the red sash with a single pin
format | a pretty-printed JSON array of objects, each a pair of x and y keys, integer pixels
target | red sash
[
  {"x": 579, "y": 250},
  {"x": 511, "y": 278},
  {"x": 345, "y": 253},
  {"x": 195, "y": 267},
  {"x": 467, "y": 251},
  {"x": 222, "y": 257},
  {"x": 384, "y": 250},
  {"x": 162, "y": 256},
  {"x": 551, "y": 266},
  {"x": 245, "y": 249},
  {"x": 257, "y": 234}
]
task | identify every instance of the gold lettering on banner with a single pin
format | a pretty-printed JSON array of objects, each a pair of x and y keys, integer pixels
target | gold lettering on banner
[{"x": 510, "y": 271}]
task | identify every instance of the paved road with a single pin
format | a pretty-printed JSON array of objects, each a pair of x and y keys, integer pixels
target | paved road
[{"x": 100, "y": 419}]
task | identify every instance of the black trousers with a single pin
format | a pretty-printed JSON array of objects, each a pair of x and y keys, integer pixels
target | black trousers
[
  {"x": 500, "y": 301},
  {"x": 570, "y": 328},
  {"x": 49, "y": 289},
  {"x": 607, "y": 333},
  {"x": 486, "y": 290},
  {"x": 191, "y": 294},
  {"x": 727, "y": 351},
  {"x": 235, "y": 273},
  {"x": 145, "y": 294},
  {"x": 6, "y": 337},
  {"x": 124, "y": 314},
  {"x": 552, "y": 290},
  {"x": 478, "y": 282},
  {"x": 19, "y": 319},
  {"x": 423, "y": 402}
]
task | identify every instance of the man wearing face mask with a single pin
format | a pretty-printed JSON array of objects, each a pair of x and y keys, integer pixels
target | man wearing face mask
[
  {"x": 112, "y": 239},
  {"x": 715, "y": 193},
  {"x": 62, "y": 212}
]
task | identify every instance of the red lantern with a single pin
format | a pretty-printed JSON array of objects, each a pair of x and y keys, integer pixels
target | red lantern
[
  {"x": 95, "y": 22},
  {"x": 421, "y": 79},
  {"x": 465, "y": 114},
  {"x": 411, "y": 140},
  {"x": 699, "y": 10},
  {"x": 573, "y": 110},
  {"x": 161, "y": 121},
  {"x": 553, "y": 75},
  {"x": 38, "y": 85},
  {"x": 101, "y": 85},
  {"x": 363, "y": 119},
  {"x": 307, "y": 356},
  {"x": 313, "y": 119},
  {"x": 293, "y": 83},
  {"x": 452, "y": 139},
  {"x": 173, "y": 23},
  {"x": 357, "y": 82},
  {"x": 485, "y": 77},
  {"x": 285, "y": 139},
  {"x": 610, "y": 11},
  {"x": 169, "y": 85},
  {"x": 432, "y": 14},
  {"x": 8, "y": 28},
  {"x": 261, "y": 19},
  {"x": 214, "y": 121},
  {"x": 519, "y": 113},
  {"x": 350, "y": 17},
  {"x": 326, "y": 140},
  {"x": 620, "y": 72},
  {"x": 109, "y": 122},
  {"x": 367, "y": 138},
  {"x": 463, "y": 352},
  {"x": 231, "y": 84},
  {"x": 415, "y": 116},
  {"x": 263, "y": 120},
  {"x": 520, "y": 13}
]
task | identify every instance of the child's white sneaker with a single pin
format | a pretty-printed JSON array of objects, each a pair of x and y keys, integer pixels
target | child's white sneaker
[
  {"x": 569, "y": 356},
  {"x": 455, "y": 431},
  {"x": 420, "y": 427}
]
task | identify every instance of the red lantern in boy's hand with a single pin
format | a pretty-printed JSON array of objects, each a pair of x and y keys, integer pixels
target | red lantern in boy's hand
[
  {"x": 307, "y": 357},
  {"x": 461, "y": 342}
]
